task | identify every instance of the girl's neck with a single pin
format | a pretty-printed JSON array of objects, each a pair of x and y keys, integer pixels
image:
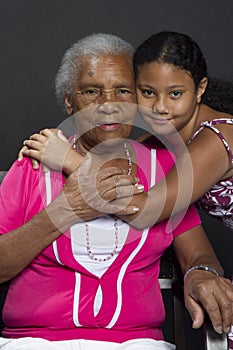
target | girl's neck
[{"x": 180, "y": 139}]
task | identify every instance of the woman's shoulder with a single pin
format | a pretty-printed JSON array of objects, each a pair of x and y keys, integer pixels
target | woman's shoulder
[{"x": 20, "y": 175}]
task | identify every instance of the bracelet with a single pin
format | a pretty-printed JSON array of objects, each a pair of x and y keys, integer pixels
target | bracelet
[{"x": 201, "y": 267}]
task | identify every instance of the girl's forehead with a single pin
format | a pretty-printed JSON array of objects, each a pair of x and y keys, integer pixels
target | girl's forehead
[{"x": 155, "y": 71}]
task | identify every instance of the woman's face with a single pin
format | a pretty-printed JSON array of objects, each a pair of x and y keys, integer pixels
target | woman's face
[
  {"x": 169, "y": 96},
  {"x": 102, "y": 87}
]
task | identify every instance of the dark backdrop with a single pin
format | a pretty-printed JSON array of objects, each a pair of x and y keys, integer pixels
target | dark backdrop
[{"x": 35, "y": 33}]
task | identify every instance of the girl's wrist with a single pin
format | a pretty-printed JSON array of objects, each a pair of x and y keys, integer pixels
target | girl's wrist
[{"x": 72, "y": 162}]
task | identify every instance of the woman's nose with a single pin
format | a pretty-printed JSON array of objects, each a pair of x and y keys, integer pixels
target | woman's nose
[{"x": 108, "y": 107}]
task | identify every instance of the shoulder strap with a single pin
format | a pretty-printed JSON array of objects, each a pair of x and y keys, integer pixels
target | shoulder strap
[{"x": 210, "y": 124}]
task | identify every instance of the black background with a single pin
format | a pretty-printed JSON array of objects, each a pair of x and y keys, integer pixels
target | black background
[{"x": 35, "y": 33}]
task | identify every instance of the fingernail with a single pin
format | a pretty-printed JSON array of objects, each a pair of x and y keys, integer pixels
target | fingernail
[
  {"x": 136, "y": 209},
  {"x": 20, "y": 158},
  {"x": 59, "y": 134},
  {"x": 140, "y": 187},
  {"x": 228, "y": 329},
  {"x": 218, "y": 330}
]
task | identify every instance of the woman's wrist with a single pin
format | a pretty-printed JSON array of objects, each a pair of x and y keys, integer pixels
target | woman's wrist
[{"x": 201, "y": 267}]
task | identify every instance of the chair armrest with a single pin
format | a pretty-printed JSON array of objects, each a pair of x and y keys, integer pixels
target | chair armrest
[{"x": 213, "y": 340}]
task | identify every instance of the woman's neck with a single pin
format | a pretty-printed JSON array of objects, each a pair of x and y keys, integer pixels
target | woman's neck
[{"x": 109, "y": 154}]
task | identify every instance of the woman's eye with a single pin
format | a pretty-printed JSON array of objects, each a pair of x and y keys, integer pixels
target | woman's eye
[
  {"x": 176, "y": 94},
  {"x": 123, "y": 92},
  {"x": 92, "y": 92}
]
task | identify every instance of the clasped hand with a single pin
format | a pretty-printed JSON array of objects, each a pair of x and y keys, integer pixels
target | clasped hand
[{"x": 106, "y": 189}]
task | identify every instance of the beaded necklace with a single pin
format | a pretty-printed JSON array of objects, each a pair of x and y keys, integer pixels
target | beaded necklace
[{"x": 87, "y": 229}]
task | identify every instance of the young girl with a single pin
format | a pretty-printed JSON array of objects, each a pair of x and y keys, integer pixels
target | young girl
[{"x": 171, "y": 80}]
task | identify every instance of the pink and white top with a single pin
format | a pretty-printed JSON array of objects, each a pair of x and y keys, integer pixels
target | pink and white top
[
  {"x": 63, "y": 294},
  {"x": 218, "y": 201}
]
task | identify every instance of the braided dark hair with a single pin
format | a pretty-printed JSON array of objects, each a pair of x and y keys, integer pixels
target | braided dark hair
[{"x": 182, "y": 51}]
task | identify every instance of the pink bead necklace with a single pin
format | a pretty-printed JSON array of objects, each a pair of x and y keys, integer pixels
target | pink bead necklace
[{"x": 87, "y": 229}]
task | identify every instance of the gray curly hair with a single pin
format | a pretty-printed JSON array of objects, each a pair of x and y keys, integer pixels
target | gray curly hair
[{"x": 91, "y": 45}]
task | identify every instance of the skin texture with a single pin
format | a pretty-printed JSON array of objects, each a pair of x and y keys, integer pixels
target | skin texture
[
  {"x": 218, "y": 301},
  {"x": 171, "y": 92},
  {"x": 19, "y": 247}
]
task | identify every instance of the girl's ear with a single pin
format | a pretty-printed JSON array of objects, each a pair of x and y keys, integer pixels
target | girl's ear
[
  {"x": 201, "y": 88},
  {"x": 68, "y": 104}
]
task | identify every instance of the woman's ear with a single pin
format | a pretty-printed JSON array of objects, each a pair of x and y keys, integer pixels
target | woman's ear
[
  {"x": 201, "y": 88},
  {"x": 68, "y": 104}
]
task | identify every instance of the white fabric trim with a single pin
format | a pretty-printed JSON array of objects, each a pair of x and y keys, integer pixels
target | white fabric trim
[
  {"x": 48, "y": 188},
  {"x": 76, "y": 300},
  {"x": 121, "y": 275},
  {"x": 153, "y": 167},
  {"x": 98, "y": 300}
]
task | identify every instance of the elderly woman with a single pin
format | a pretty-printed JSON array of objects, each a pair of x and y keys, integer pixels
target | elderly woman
[{"x": 79, "y": 289}]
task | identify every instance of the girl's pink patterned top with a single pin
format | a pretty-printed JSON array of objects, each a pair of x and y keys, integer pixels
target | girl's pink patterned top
[{"x": 218, "y": 201}]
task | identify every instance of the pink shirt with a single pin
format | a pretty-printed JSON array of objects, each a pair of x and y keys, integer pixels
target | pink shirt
[{"x": 54, "y": 296}]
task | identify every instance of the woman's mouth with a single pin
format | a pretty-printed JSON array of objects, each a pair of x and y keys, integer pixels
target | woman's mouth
[{"x": 110, "y": 127}]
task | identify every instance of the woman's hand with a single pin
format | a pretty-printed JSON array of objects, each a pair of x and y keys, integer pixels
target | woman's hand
[
  {"x": 51, "y": 148},
  {"x": 203, "y": 290},
  {"x": 108, "y": 190},
  {"x": 80, "y": 198}
]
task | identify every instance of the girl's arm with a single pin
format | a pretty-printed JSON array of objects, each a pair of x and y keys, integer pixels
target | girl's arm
[
  {"x": 205, "y": 162},
  {"x": 196, "y": 170}
]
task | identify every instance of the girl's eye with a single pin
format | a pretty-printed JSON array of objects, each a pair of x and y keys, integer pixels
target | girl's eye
[
  {"x": 147, "y": 93},
  {"x": 176, "y": 94}
]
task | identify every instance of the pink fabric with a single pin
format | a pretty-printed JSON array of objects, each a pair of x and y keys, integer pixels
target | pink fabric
[{"x": 53, "y": 298}]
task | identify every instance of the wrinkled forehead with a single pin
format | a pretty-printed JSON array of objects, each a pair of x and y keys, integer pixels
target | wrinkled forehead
[{"x": 102, "y": 64}]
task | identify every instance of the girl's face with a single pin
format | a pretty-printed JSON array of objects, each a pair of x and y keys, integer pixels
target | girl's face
[{"x": 169, "y": 96}]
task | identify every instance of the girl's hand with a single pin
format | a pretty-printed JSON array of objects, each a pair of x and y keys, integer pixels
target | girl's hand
[{"x": 51, "y": 148}]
